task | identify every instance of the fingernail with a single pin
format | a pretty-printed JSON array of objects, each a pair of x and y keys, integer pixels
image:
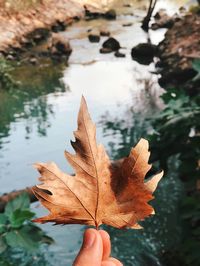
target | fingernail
[{"x": 89, "y": 238}]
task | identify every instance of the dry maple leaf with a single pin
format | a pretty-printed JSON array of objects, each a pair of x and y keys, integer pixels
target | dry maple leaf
[{"x": 100, "y": 192}]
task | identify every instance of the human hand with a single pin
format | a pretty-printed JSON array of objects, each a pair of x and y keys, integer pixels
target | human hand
[{"x": 95, "y": 250}]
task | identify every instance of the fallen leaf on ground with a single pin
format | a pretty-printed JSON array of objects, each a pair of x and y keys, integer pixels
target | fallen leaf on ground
[{"x": 100, "y": 192}]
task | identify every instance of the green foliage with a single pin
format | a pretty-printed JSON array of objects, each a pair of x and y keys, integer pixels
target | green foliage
[
  {"x": 196, "y": 66},
  {"x": 6, "y": 81},
  {"x": 177, "y": 130},
  {"x": 16, "y": 230}
]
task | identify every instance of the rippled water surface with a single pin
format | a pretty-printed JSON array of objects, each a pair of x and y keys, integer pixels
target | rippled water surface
[{"x": 37, "y": 121}]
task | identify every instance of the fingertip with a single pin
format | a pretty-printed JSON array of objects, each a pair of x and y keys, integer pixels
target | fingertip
[
  {"x": 108, "y": 263},
  {"x": 106, "y": 244},
  {"x": 92, "y": 249},
  {"x": 111, "y": 262},
  {"x": 104, "y": 234},
  {"x": 115, "y": 261},
  {"x": 90, "y": 235}
]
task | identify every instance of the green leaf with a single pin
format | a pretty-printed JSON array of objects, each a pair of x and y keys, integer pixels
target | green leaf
[
  {"x": 47, "y": 239},
  {"x": 18, "y": 217},
  {"x": 39, "y": 235},
  {"x": 3, "y": 219},
  {"x": 3, "y": 245},
  {"x": 196, "y": 66},
  {"x": 20, "y": 202},
  {"x": 3, "y": 222},
  {"x": 5, "y": 262},
  {"x": 23, "y": 238},
  {"x": 28, "y": 237}
]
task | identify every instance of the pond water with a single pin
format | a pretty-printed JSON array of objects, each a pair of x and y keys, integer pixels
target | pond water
[{"x": 38, "y": 119}]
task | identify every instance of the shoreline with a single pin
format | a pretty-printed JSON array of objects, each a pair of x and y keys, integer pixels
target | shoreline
[
  {"x": 20, "y": 32},
  {"x": 27, "y": 29}
]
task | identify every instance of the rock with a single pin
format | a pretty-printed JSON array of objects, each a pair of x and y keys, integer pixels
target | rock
[
  {"x": 59, "y": 26},
  {"x": 160, "y": 14},
  {"x": 112, "y": 44},
  {"x": 144, "y": 53},
  {"x": 127, "y": 5},
  {"x": 127, "y": 24},
  {"x": 105, "y": 50},
  {"x": 144, "y": 49},
  {"x": 27, "y": 42},
  {"x": 33, "y": 60},
  {"x": 163, "y": 20},
  {"x": 119, "y": 54},
  {"x": 10, "y": 57},
  {"x": 91, "y": 14},
  {"x": 104, "y": 33},
  {"x": 38, "y": 35},
  {"x": 182, "y": 9},
  {"x": 59, "y": 45},
  {"x": 93, "y": 37},
  {"x": 162, "y": 24},
  {"x": 110, "y": 14},
  {"x": 95, "y": 14}
]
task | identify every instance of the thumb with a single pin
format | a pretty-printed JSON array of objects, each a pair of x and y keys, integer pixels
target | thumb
[{"x": 91, "y": 251}]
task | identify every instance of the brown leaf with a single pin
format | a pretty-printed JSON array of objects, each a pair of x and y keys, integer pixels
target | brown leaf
[{"x": 100, "y": 192}]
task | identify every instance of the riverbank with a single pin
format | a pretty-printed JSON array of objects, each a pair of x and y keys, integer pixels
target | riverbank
[
  {"x": 177, "y": 53},
  {"x": 24, "y": 28}
]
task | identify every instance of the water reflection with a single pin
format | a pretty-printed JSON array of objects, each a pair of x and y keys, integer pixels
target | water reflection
[
  {"x": 29, "y": 101},
  {"x": 135, "y": 122}
]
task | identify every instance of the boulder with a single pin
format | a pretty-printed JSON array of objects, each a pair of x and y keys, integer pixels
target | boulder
[
  {"x": 112, "y": 44},
  {"x": 144, "y": 53}
]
